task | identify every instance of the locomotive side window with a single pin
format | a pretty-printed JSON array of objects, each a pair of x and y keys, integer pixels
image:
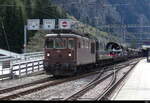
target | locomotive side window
[
  {"x": 71, "y": 43},
  {"x": 83, "y": 43},
  {"x": 50, "y": 43},
  {"x": 92, "y": 48},
  {"x": 79, "y": 45},
  {"x": 87, "y": 45}
]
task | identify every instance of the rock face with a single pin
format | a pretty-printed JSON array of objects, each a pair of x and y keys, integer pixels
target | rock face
[{"x": 99, "y": 12}]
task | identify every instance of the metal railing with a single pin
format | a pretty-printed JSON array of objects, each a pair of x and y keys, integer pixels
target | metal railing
[
  {"x": 29, "y": 56},
  {"x": 26, "y": 68},
  {"x": 22, "y": 65},
  {"x": 23, "y": 57},
  {"x": 5, "y": 57},
  {"x": 5, "y": 72}
]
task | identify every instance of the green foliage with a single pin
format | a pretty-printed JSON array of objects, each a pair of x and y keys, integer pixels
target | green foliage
[
  {"x": 14, "y": 14},
  {"x": 36, "y": 43}
]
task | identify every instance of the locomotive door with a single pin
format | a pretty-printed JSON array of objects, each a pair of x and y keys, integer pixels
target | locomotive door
[{"x": 72, "y": 47}]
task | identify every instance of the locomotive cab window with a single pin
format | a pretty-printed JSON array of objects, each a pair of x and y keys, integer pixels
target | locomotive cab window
[
  {"x": 71, "y": 43},
  {"x": 60, "y": 43},
  {"x": 79, "y": 45},
  {"x": 49, "y": 43},
  {"x": 57, "y": 43}
]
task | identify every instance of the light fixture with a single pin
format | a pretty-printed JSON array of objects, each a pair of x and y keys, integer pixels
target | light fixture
[
  {"x": 69, "y": 54},
  {"x": 48, "y": 54}
]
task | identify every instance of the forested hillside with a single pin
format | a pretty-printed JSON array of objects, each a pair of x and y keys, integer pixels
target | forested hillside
[
  {"x": 105, "y": 12},
  {"x": 13, "y": 17}
]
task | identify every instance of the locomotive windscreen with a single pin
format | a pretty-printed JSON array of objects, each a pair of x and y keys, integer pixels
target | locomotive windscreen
[
  {"x": 60, "y": 43},
  {"x": 49, "y": 43}
]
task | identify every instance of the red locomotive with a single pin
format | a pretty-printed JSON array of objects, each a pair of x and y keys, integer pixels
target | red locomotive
[{"x": 66, "y": 51}]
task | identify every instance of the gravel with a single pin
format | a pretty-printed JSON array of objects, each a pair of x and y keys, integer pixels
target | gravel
[
  {"x": 57, "y": 92},
  {"x": 60, "y": 91},
  {"x": 16, "y": 82},
  {"x": 93, "y": 93}
]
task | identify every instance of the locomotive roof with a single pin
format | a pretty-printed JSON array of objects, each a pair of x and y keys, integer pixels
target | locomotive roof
[
  {"x": 70, "y": 31},
  {"x": 67, "y": 31},
  {"x": 64, "y": 35}
]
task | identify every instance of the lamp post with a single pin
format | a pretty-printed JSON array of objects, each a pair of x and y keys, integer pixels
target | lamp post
[{"x": 25, "y": 38}]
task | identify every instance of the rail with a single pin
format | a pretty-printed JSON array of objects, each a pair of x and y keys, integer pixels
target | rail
[
  {"x": 5, "y": 57},
  {"x": 22, "y": 56},
  {"x": 114, "y": 84},
  {"x": 115, "y": 69},
  {"x": 22, "y": 89}
]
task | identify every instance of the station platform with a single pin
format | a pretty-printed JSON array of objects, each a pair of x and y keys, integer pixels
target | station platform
[{"x": 137, "y": 84}]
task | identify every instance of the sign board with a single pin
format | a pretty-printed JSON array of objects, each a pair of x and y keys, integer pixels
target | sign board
[
  {"x": 33, "y": 24},
  {"x": 65, "y": 24},
  {"x": 48, "y": 24}
]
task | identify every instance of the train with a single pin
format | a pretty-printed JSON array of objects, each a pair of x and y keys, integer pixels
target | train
[{"x": 68, "y": 51}]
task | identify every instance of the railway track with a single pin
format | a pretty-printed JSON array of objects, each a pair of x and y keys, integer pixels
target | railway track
[
  {"x": 21, "y": 90},
  {"x": 105, "y": 94},
  {"x": 10, "y": 89},
  {"x": 108, "y": 86},
  {"x": 99, "y": 80}
]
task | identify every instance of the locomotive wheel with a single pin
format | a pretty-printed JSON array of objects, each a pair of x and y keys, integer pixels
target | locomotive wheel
[{"x": 57, "y": 76}]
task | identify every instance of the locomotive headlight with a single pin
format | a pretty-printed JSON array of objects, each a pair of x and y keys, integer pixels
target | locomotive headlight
[
  {"x": 69, "y": 55},
  {"x": 48, "y": 54}
]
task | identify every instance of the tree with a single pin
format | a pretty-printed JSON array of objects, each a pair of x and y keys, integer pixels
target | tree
[{"x": 14, "y": 14}]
